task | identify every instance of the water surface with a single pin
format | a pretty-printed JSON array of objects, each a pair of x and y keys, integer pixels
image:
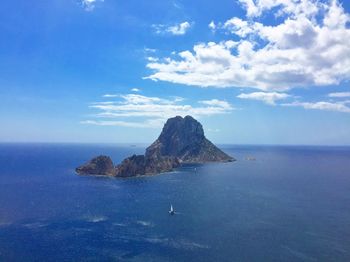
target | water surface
[{"x": 290, "y": 204}]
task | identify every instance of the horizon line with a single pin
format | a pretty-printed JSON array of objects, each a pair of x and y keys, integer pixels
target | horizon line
[{"x": 147, "y": 143}]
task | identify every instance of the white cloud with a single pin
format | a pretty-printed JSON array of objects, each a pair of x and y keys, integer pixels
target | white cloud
[
  {"x": 310, "y": 47},
  {"x": 339, "y": 94},
  {"x": 148, "y": 111},
  {"x": 328, "y": 106},
  {"x": 177, "y": 29},
  {"x": 178, "y": 99},
  {"x": 217, "y": 103},
  {"x": 152, "y": 59},
  {"x": 149, "y": 50},
  {"x": 180, "y": 29},
  {"x": 238, "y": 26},
  {"x": 269, "y": 98},
  {"x": 113, "y": 123},
  {"x": 110, "y": 95},
  {"x": 212, "y": 25},
  {"x": 255, "y": 8},
  {"x": 89, "y": 5},
  {"x": 135, "y": 90}
]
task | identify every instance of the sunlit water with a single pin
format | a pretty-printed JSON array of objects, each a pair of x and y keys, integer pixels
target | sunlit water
[{"x": 290, "y": 204}]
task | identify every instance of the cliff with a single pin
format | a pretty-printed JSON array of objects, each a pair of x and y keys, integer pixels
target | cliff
[
  {"x": 139, "y": 165},
  {"x": 98, "y": 166},
  {"x": 184, "y": 138}
]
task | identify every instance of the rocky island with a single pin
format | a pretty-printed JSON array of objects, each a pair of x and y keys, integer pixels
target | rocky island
[{"x": 182, "y": 140}]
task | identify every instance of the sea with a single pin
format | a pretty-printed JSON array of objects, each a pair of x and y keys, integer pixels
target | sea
[{"x": 275, "y": 203}]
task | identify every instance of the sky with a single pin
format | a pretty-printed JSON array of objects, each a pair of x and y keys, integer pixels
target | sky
[{"x": 112, "y": 71}]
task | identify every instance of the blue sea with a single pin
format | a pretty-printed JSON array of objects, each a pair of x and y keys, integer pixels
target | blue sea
[{"x": 291, "y": 203}]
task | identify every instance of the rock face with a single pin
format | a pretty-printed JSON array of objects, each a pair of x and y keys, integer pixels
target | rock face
[
  {"x": 182, "y": 141},
  {"x": 139, "y": 165},
  {"x": 98, "y": 166},
  {"x": 184, "y": 138}
]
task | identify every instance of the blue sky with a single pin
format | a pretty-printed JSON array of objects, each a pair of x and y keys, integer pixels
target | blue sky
[{"x": 252, "y": 72}]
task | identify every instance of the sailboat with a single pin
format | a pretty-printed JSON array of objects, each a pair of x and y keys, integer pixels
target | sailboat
[{"x": 171, "y": 211}]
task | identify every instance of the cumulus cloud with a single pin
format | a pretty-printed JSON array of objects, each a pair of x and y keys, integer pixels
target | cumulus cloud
[
  {"x": 135, "y": 90},
  {"x": 134, "y": 110},
  {"x": 177, "y": 29},
  {"x": 269, "y": 98},
  {"x": 327, "y": 106},
  {"x": 212, "y": 25},
  {"x": 309, "y": 47},
  {"x": 254, "y": 8},
  {"x": 152, "y": 59},
  {"x": 89, "y": 5}
]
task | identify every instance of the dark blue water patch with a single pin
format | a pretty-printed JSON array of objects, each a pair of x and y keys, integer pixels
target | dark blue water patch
[{"x": 289, "y": 204}]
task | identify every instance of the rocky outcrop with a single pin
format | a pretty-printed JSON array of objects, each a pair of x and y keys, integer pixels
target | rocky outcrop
[
  {"x": 139, "y": 165},
  {"x": 182, "y": 140},
  {"x": 98, "y": 166}
]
